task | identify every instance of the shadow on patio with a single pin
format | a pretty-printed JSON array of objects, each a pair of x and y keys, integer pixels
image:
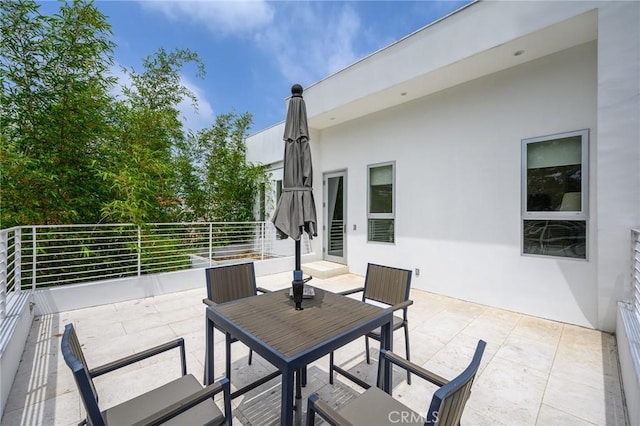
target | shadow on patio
[{"x": 534, "y": 371}]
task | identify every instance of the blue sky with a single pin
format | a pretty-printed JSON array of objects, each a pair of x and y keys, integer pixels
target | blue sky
[{"x": 255, "y": 50}]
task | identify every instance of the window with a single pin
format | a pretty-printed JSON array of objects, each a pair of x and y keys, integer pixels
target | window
[
  {"x": 381, "y": 199},
  {"x": 278, "y": 189},
  {"x": 271, "y": 198},
  {"x": 263, "y": 202},
  {"x": 555, "y": 195}
]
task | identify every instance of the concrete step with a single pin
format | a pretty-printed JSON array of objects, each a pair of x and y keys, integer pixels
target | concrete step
[{"x": 323, "y": 269}]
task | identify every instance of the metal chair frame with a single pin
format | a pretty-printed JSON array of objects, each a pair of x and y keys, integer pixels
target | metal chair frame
[
  {"x": 75, "y": 360},
  {"x": 231, "y": 282},
  {"x": 445, "y": 409},
  {"x": 390, "y": 286},
  {"x": 226, "y": 283}
]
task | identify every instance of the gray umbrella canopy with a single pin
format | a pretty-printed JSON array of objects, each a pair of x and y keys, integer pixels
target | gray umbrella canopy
[{"x": 296, "y": 209}]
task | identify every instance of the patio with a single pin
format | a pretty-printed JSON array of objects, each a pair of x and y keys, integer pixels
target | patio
[{"x": 534, "y": 371}]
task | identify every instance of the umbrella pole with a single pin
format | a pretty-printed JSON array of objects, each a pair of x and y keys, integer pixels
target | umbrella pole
[
  {"x": 298, "y": 283},
  {"x": 298, "y": 267}
]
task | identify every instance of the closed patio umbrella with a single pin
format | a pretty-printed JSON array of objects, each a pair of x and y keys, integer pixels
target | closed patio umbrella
[{"x": 296, "y": 209}]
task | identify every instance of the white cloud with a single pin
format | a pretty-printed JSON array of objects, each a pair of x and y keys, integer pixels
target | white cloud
[
  {"x": 310, "y": 41},
  {"x": 193, "y": 117},
  {"x": 307, "y": 40},
  {"x": 219, "y": 17},
  {"x": 122, "y": 80}
]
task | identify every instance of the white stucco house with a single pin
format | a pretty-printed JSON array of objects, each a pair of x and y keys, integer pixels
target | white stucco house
[{"x": 495, "y": 152}]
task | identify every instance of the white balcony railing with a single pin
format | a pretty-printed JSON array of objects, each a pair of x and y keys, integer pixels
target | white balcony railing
[
  {"x": 635, "y": 271},
  {"x": 33, "y": 257}
]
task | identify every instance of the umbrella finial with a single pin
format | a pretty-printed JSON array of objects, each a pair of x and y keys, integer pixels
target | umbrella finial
[{"x": 296, "y": 90}]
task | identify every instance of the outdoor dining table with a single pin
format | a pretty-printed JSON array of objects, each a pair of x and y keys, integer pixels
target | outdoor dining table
[{"x": 291, "y": 339}]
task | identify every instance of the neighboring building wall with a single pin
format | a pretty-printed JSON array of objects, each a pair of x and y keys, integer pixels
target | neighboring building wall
[
  {"x": 458, "y": 185},
  {"x": 267, "y": 147}
]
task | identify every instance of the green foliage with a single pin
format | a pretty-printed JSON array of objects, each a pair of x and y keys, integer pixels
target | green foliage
[
  {"x": 54, "y": 112},
  {"x": 147, "y": 133},
  {"x": 162, "y": 252},
  {"x": 71, "y": 151},
  {"x": 230, "y": 185}
]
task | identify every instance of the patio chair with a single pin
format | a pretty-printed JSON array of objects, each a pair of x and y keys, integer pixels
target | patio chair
[
  {"x": 377, "y": 407},
  {"x": 390, "y": 287},
  {"x": 179, "y": 402},
  {"x": 231, "y": 282}
]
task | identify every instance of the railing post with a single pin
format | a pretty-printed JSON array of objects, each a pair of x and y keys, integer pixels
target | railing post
[
  {"x": 635, "y": 271},
  {"x": 210, "y": 244},
  {"x": 34, "y": 260},
  {"x": 4, "y": 253},
  {"x": 263, "y": 230},
  {"x": 17, "y": 260},
  {"x": 139, "y": 251},
  {"x": 64, "y": 247}
]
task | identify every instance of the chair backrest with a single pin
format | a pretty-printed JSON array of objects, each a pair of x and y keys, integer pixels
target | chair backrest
[
  {"x": 448, "y": 402},
  {"x": 73, "y": 356},
  {"x": 231, "y": 282},
  {"x": 386, "y": 284}
]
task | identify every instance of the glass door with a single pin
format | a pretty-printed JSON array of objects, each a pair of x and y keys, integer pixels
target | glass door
[{"x": 335, "y": 217}]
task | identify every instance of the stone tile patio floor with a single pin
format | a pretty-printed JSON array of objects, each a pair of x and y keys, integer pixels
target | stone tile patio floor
[{"x": 534, "y": 371}]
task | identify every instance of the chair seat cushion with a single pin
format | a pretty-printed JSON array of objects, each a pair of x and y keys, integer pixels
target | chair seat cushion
[
  {"x": 375, "y": 407},
  {"x": 136, "y": 409},
  {"x": 397, "y": 323}
]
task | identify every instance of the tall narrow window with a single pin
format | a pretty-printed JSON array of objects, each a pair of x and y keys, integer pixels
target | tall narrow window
[
  {"x": 278, "y": 189},
  {"x": 555, "y": 195},
  {"x": 263, "y": 202},
  {"x": 381, "y": 199}
]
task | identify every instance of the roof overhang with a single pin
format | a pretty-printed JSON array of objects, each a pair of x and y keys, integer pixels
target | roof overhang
[{"x": 475, "y": 41}]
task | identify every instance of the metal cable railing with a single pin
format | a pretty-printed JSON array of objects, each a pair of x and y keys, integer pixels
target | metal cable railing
[{"x": 40, "y": 256}]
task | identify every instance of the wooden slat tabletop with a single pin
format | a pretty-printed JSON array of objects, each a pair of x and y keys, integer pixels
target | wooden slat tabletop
[{"x": 271, "y": 317}]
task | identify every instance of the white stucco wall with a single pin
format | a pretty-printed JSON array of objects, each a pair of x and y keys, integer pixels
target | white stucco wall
[
  {"x": 459, "y": 129},
  {"x": 426, "y": 60},
  {"x": 14, "y": 330},
  {"x": 266, "y": 146},
  {"x": 618, "y": 153},
  {"x": 458, "y": 188}
]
